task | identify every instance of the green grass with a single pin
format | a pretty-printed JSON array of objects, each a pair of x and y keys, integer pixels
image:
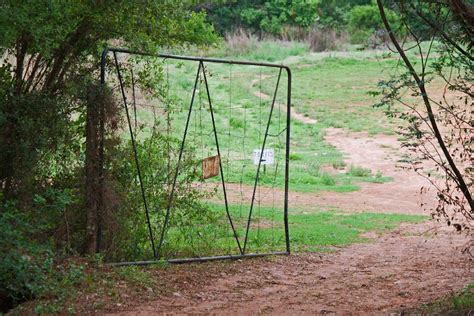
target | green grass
[
  {"x": 331, "y": 90},
  {"x": 323, "y": 230},
  {"x": 335, "y": 92},
  {"x": 309, "y": 230}
]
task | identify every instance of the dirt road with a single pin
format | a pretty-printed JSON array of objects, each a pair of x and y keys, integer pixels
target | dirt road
[{"x": 401, "y": 269}]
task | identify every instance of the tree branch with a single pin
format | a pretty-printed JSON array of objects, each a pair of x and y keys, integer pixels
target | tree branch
[
  {"x": 421, "y": 85},
  {"x": 443, "y": 34}
]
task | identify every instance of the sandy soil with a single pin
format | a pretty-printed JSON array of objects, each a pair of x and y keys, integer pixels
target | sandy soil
[
  {"x": 412, "y": 265},
  {"x": 399, "y": 270},
  {"x": 381, "y": 153}
]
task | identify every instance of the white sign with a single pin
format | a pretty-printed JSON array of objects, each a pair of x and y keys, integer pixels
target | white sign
[{"x": 267, "y": 157}]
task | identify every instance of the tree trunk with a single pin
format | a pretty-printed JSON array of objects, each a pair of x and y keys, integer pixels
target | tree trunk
[{"x": 94, "y": 170}]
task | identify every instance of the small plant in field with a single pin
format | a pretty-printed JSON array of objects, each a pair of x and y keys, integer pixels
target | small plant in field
[
  {"x": 339, "y": 164},
  {"x": 295, "y": 157},
  {"x": 135, "y": 275},
  {"x": 236, "y": 123},
  {"x": 327, "y": 179},
  {"x": 359, "y": 172}
]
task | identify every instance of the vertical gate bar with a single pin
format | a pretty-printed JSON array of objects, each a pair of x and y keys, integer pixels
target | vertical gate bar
[
  {"x": 260, "y": 160},
  {"x": 287, "y": 159},
  {"x": 173, "y": 186},
  {"x": 220, "y": 161},
  {"x": 137, "y": 163},
  {"x": 103, "y": 59}
]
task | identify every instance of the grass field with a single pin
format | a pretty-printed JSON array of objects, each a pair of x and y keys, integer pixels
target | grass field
[
  {"x": 331, "y": 89},
  {"x": 309, "y": 230}
]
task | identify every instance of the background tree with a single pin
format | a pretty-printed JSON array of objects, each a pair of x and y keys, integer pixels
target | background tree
[
  {"x": 53, "y": 116},
  {"x": 262, "y": 17}
]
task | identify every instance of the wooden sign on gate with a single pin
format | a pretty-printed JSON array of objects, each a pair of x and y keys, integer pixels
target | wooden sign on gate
[{"x": 210, "y": 167}]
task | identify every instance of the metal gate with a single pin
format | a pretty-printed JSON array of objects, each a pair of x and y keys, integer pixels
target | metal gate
[{"x": 255, "y": 119}]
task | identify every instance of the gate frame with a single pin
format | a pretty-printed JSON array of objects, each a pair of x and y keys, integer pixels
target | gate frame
[{"x": 201, "y": 61}]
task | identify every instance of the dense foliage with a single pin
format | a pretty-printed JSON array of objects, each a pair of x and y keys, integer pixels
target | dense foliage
[
  {"x": 300, "y": 19},
  {"x": 263, "y": 16},
  {"x": 364, "y": 21},
  {"x": 50, "y": 52}
]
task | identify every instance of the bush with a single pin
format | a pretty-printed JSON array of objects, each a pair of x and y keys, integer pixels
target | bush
[
  {"x": 270, "y": 17},
  {"x": 27, "y": 244},
  {"x": 25, "y": 263},
  {"x": 126, "y": 234},
  {"x": 364, "y": 21}
]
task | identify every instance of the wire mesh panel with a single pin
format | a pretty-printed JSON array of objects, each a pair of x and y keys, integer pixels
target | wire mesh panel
[{"x": 209, "y": 140}]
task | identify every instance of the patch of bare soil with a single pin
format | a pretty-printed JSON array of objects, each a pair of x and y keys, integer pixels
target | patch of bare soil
[
  {"x": 380, "y": 153},
  {"x": 412, "y": 265}
]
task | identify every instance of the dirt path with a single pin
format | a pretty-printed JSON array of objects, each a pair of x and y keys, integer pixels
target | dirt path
[
  {"x": 294, "y": 115},
  {"x": 401, "y": 270},
  {"x": 381, "y": 153}
]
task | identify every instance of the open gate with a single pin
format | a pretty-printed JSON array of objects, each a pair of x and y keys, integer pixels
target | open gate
[{"x": 224, "y": 139}]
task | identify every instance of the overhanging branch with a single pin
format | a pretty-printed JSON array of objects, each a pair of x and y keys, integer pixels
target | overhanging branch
[{"x": 421, "y": 85}]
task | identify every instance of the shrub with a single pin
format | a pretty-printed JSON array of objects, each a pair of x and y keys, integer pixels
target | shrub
[
  {"x": 270, "y": 17},
  {"x": 25, "y": 263},
  {"x": 364, "y": 21},
  {"x": 126, "y": 234},
  {"x": 27, "y": 245}
]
